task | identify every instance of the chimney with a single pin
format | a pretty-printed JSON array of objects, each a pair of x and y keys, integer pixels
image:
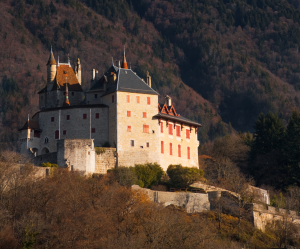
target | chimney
[
  {"x": 168, "y": 100},
  {"x": 148, "y": 79},
  {"x": 93, "y": 74},
  {"x": 96, "y": 75}
]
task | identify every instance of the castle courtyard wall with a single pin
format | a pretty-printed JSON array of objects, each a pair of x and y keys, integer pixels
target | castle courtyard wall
[{"x": 105, "y": 160}]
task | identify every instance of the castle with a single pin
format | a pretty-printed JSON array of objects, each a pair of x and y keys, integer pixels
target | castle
[{"x": 120, "y": 110}]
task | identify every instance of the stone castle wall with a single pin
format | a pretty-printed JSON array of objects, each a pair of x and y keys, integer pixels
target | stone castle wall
[{"x": 105, "y": 161}]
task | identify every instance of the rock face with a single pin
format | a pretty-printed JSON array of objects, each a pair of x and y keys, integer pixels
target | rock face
[{"x": 192, "y": 202}]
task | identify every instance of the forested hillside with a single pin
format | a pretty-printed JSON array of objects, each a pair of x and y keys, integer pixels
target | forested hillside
[{"x": 220, "y": 60}]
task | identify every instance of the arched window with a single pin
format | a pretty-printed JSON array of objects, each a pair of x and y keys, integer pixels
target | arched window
[{"x": 46, "y": 140}]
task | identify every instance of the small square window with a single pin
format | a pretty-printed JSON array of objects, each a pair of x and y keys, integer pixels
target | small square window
[
  {"x": 147, "y": 144},
  {"x": 144, "y": 114},
  {"x": 93, "y": 130},
  {"x": 128, "y": 113},
  {"x": 146, "y": 128},
  {"x": 129, "y": 128},
  {"x": 52, "y": 119},
  {"x": 84, "y": 116},
  {"x": 97, "y": 115},
  {"x": 132, "y": 143},
  {"x": 68, "y": 117},
  {"x": 64, "y": 132}
]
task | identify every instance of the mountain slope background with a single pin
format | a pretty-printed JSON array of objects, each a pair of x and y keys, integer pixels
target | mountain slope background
[{"x": 223, "y": 62}]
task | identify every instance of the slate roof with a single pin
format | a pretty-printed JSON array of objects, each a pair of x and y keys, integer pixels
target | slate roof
[
  {"x": 178, "y": 119},
  {"x": 31, "y": 125},
  {"x": 127, "y": 81}
]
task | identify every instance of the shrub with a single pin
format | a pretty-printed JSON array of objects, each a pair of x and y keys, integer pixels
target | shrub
[
  {"x": 99, "y": 150},
  {"x": 182, "y": 177},
  {"x": 51, "y": 165},
  {"x": 149, "y": 173},
  {"x": 125, "y": 176}
]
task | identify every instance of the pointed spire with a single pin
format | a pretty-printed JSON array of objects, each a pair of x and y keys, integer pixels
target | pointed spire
[
  {"x": 58, "y": 60},
  {"x": 51, "y": 60},
  {"x": 28, "y": 117},
  {"x": 112, "y": 61},
  {"x": 124, "y": 63},
  {"x": 67, "y": 103}
]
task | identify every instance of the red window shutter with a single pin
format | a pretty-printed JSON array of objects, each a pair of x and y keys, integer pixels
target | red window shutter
[
  {"x": 97, "y": 115},
  {"x": 128, "y": 98},
  {"x": 178, "y": 131},
  {"x": 113, "y": 98},
  {"x": 64, "y": 132},
  {"x": 138, "y": 99},
  {"x": 162, "y": 147},
  {"x": 162, "y": 127},
  {"x": 128, "y": 113},
  {"x": 57, "y": 134},
  {"x": 52, "y": 119},
  {"x": 171, "y": 149},
  {"x": 144, "y": 114},
  {"x": 179, "y": 150},
  {"x": 129, "y": 128},
  {"x": 188, "y": 134},
  {"x": 146, "y": 128},
  {"x": 148, "y": 100},
  {"x": 93, "y": 130},
  {"x": 188, "y": 153},
  {"x": 84, "y": 116},
  {"x": 68, "y": 117},
  {"x": 170, "y": 129}
]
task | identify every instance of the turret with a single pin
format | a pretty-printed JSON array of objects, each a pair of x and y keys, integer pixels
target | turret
[
  {"x": 51, "y": 71},
  {"x": 78, "y": 71}
]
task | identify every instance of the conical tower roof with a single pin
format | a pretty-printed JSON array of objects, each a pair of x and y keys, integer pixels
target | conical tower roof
[{"x": 51, "y": 60}]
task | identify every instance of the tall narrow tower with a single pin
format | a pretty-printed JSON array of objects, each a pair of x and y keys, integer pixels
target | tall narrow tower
[
  {"x": 78, "y": 71},
  {"x": 51, "y": 71}
]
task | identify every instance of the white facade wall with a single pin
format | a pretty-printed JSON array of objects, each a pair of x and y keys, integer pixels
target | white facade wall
[{"x": 75, "y": 128}]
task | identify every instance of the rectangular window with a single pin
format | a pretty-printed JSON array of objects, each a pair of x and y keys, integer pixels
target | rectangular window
[
  {"x": 162, "y": 147},
  {"x": 146, "y": 128},
  {"x": 188, "y": 134},
  {"x": 171, "y": 149},
  {"x": 144, "y": 114},
  {"x": 162, "y": 127},
  {"x": 138, "y": 99},
  {"x": 57, "y": 134},
  {"x": 179, "y": 150},
  {"x": 128, "y": 113},
  {"x": 148, "y": 101},
  {"x": 188, "y": 152},
  {"x": 68, "y": 117},
  {"x": 178, "y": 129},
  {"x": 52, "y": 119},
  {"x": 93, "y": 130},
  {"x": 96, "y": 95},
  {"x": 64, "y": 132},
  {"x": 170, "y": 129},
  {"x": 97, "y": 115},
  {"x": 147, "y": 145},
  {"x": 129, "y": 128},
  {"x": 72, "y": 93},
  {"x": 128, "y": 98},
  {"x": 112, "y": 98},
  {"x": 84, "y": 116},
  {"x": 132, "y": 143}
]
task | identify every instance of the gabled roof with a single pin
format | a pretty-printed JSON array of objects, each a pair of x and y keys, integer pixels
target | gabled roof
[
  {"x": 178, "y": 119},
  {"x": 63, "y": 72},
  {"x": 126, "y": 81},
  {"x": 31, "y": 125}
]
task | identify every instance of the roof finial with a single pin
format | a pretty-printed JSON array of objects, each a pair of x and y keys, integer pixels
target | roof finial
[
  {"x": 112, "y": 61},
  {"x": 58, "y": 60},
  {"x": 51, "y": 49},
  {"x": 28, "y": 117},
  {"x": 130, "y": 64},
  {"x": 124, "y": 64},
  {"x": 69, "y": 59}
]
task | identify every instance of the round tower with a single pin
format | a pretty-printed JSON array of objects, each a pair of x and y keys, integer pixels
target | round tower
[{"x": 51, "y": 71}]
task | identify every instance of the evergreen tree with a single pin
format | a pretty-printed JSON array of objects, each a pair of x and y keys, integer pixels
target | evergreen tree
[{"x": 291, "y": 149}]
